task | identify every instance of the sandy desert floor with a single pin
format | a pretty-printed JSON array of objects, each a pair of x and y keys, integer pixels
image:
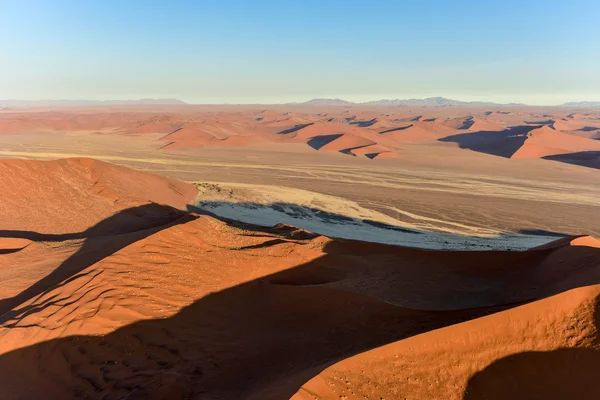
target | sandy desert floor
[{"x": 135, "y": 262}]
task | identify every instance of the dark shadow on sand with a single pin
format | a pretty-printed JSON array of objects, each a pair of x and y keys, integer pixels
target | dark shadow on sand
[
  {"x": 100, "y": 241},
  {"x": 588, "y": 129},
  {"x": 567, "y": 373},
  {"x": 401, "y": 128},
  {"x": 589, "y": 159},
  {"x": 319, "y": 141},
  {"x": 294, "y": 128},
  {"x": 261, "y": 339},
  {"x": 499, "y": 143},
  {"x": 364, "y": 124}
]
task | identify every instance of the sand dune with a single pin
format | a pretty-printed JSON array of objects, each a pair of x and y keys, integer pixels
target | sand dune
[
  {"x": 391, "y": 128},
  {"x": 156, "y": 124},
  {"x": 413, "y": 133},
  {"x": 532, "y": 351},
  {"x": 347, "y": 142},
  {"x": 481, "y": 125},
  {"x": 526, "y": 141},
  {"x": 545, "y": 141},
  {"x": 120, "y": 293},
  {"x": 79, "y": 193}
]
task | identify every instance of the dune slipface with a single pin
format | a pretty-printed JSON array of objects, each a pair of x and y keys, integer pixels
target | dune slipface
[{"x": 112, "y": 290}]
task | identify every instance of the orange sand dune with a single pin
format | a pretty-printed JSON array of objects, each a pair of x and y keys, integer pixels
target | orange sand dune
[
  {"x": 188, "y": 136},
  {"x": 412, "y": 134},
  {"x": 586, "y": 241},
  {"x": 546, "y": 141},
  {"x": 585, "y": 129},
  {"x": 78, "y": 192},
  {"x": 544, "y": 350},
  {"x": 12, "y": 126},
  {"x": 458, "y": 123},
  {"x": 198, "y": 135},
  {"x": 389, "y": 127},
  {"x": 156, "y": 124},
  {"x": 111, "y": 295},
  {"x": 481, "y": 125}
]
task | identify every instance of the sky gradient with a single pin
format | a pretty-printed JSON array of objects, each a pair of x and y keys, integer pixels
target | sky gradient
[{"x": 535, "y": 52}]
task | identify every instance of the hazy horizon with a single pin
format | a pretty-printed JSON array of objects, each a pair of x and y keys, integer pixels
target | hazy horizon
[{"x": 537, "y": 53}]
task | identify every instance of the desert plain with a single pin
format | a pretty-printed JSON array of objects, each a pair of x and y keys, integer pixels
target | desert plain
[{"x": 311, "y": 252}]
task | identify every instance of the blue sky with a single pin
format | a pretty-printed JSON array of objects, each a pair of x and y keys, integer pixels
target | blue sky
[{"x": 538, "y": 52}]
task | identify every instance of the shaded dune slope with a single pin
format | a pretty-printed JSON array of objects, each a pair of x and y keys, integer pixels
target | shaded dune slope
[{"x": 526, "y": 141}]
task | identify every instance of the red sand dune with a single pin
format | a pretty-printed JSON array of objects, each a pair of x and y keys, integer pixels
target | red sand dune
[
  {"x": 412, "y": 134},
  {"x": 546, "y": 141},
  {"x": 389, "y": 128},
  {"x": 78, "y": 193},
  {"x": 156, "y": 124},
  {"x": 197, "y": 135},
  {"x": 544, "y": 350},
  {"x": 146, "y": 301},
  {"x": 458, "y": 123},
  {"x": 585, "y": 129},
  {"x": 12, "y": 126},
  {"x": 188, "y": 136},
  {"x": 586, "y": 241},
  {"x": 481, "y": 125}
]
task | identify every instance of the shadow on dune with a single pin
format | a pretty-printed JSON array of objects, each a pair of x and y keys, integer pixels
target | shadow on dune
[
  {"x": 364, "y": 124},
  {"x": 467, "y": 123},
  {"x": 258, "y": 340},
  {"x": 499, "y": 143},
  {"x": 261, "y": 339},
  {"x": 560, "y": 374},
  {"x": 401, "y": 128},
  {"x": 319, "y": 141},
  {"x": 545, "y": 122},
  {"x": 294, "y": 128},
  {"x": 588, "y": 129},
  {"x": 100, "y": 241},
  {"x": 590, "y": 159},
  {"x": 349, "y": 150}
]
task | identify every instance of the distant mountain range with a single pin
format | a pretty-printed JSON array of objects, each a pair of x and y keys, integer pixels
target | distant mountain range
[
  {"x": 327, "y": 102},
  {"x": 430, "y": 101},
  {"x": 83, "y": 103},
  {"x": 582, "y": 104}
]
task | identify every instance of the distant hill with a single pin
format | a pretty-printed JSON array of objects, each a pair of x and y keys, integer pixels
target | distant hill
[
  {"x": 582, "y": 104},
  {"x": 327, "y": 102},
  {"x": 83, "y": 103},
  {"x": 436, "y": 101},
  {"x": 430, "y": 101}
]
